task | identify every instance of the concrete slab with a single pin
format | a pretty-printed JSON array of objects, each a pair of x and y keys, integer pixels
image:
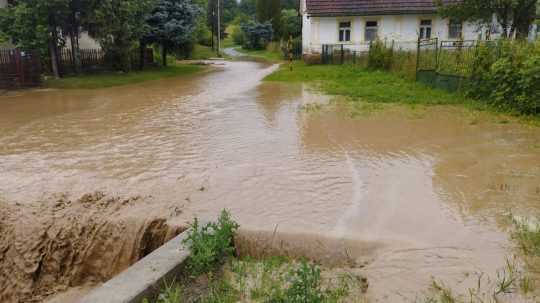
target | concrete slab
[{"x": 146, "y": 277}]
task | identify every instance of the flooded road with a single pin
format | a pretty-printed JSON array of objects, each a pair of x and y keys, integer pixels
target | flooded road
[{"x": 403, "y": 194}]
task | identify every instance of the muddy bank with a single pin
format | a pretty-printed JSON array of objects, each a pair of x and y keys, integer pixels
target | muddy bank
[{"x": 48, "y": 246}]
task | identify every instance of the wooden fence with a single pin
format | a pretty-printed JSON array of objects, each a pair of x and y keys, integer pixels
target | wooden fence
[
  {"x": 19, "y": 68},
  {"x": 91, "y": 59},
  {"x": 95, "y": 60},
  {"x": 22, "y": 68}
]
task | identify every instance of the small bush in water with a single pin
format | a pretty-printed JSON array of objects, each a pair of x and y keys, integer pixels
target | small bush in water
[{"x": 210, "y": 244}]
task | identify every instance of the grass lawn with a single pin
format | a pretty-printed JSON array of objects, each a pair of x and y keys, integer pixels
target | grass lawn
[
  {"x": 359, "y": 84},
  {"x": 109, "y": 79},
  {"x": 365, "y": 85},
  {"x": 201, "y": 52},
  {"x": 272, "y": 56}
]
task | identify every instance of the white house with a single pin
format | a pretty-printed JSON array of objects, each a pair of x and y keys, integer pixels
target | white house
[{"x": 354, "y": 23}]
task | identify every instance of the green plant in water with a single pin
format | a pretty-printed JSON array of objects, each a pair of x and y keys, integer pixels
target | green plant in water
[
  {"x": 210, "y": 244},
  {"x": 527, "y": 235}
]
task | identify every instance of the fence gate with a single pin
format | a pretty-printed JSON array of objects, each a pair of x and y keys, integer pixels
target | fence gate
[
  {"x": 446, "y": 64},
  {"x": 427, "y": 60},
  {"x": 19, "y": 68}
]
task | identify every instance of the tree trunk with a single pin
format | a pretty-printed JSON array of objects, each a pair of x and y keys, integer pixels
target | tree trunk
[
  {"x": 75, "y": 50},
  {"x": 53, "y": 47},
  {"x": 212, "y": 33},
  {"x": 164, "y": 55},
  {"x": 142, "y": 48}
]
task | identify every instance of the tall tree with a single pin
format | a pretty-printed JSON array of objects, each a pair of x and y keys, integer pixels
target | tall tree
[
  {"x": 514, "y": 16},
  {"x": 35, "y": 23},
  {"x": 172, "y": 24},
  {"x": 118, "y": 25},
  {"x": 270, "y": 10},
  {"x": 248, "y": 7},
  {"x": 212, "y": 18}
]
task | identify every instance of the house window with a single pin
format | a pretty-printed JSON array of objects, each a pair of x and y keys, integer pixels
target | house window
[
  {"x": 372, "y": 29},
  {"x": 425, "y": 29},
  {"x": 455, "y": 28},
  {"x": 345, "y": 31}
]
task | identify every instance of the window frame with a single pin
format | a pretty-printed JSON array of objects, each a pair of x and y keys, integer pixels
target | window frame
[
  {"x": 345, "y": 31},
  {"x": 460, "y": 35},
  {"x": 366, "y": 28},
  {"x": 423, "y": 29}
]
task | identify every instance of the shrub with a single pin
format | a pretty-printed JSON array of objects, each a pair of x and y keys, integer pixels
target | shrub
[
  {"x": 507, "y": 75},
  {"x": 528, "y": 100},
  {"x": 479, "y": 84},
  {"x": 210, "y": 244},
  {"x": 204, "y": 36},
  {"x": 504, "y": 75},
  {"x": 258, "y": 35},
  {"x": 379, "y": 56},
  {"x": 304, "y": 287},
  {"x": 290, "y": 24},
  {"x": 238, "y": 35}
]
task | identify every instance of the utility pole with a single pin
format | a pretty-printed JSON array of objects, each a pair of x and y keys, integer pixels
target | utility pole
[{"x": 218, "y": 28}]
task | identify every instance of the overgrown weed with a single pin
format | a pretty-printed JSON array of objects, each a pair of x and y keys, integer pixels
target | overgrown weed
[
  {"x": 210, "y": 244},
  {"x": 510, "y": 283}
]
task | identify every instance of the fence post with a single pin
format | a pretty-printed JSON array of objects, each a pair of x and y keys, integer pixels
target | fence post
[
  {"x": 342, "y": 55},
  {"x": 19, "y": 68},
  {"x": 354, "y": 57},
  {"x": 437, "y": 54},
  {"x": 417, "y": 58}
]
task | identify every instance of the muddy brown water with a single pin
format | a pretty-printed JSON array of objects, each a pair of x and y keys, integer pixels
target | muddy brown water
[{"x": 399, "y": 194}]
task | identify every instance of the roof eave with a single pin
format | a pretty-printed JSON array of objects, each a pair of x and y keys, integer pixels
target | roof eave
[{"x": 381, "y": 13}]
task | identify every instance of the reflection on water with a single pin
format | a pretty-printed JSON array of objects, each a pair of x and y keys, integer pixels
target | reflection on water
[{"x": 408, "y": 195}]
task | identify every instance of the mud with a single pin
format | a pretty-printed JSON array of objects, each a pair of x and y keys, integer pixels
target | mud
[
  {"x": 51, "y": 245},
  {"x": 401, "y": 194}
]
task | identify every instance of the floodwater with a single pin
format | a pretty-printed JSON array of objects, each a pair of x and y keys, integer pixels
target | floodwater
[{"x": 403, "y": 194}]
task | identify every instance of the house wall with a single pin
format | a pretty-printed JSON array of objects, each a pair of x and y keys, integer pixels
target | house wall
[
  {"x": 85, "y": 41},
  {"x": 402, "y": 29}
]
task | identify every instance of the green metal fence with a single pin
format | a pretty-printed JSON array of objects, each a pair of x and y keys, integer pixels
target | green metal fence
[{"x": 447, "y": 64}]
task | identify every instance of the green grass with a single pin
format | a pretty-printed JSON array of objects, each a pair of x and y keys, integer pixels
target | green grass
[
  {"x": 110, "y": 79},
  {"x": 268, "y": 55},
  {"x": 365, "y": 85},
  {"x": 526, "y": 234},
  {"x": 213, "y": 275},
  {"x": 361, "y": 84},
  {"x": 202, "y": 52},
  {"x": 275, "y": 279}
]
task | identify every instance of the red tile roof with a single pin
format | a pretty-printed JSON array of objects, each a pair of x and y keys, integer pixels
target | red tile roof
[{"x": 371, "y": 7}]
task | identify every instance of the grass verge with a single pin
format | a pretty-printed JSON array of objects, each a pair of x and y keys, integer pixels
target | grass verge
[
  {"x": 361, "y": 84},
  {"x": 214, "y": 275},
  {"x": 202, "y": 52},
  {"x": 110, "y": 79},
  {"x": 358, "y": 84},
  {"x": 265, "y": 54}
]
